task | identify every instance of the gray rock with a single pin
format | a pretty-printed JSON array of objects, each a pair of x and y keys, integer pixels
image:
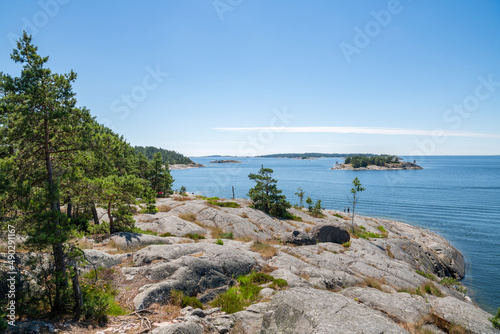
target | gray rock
[
  {"x": 166, "y": 223},
  {"x": 330, "y": 233},
  {"x": 32, "y": 327},
  {"x": 126, "y": 240},
  {"x": 183, "y": 328},
  {"x": 464, "y": 314},
  {"x": 299, "y": 238},
  {"x": 300, "y": 310},
  {"x": 401, "y": 306},
  {"x": 99, "y": 258},
  {"x": 213, "y": 267},
  {"x": 198, "y": 313},
  {"x": 266, "y": 293}
]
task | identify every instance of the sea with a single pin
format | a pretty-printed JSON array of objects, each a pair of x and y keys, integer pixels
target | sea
[{"x": 457, "y": 197}]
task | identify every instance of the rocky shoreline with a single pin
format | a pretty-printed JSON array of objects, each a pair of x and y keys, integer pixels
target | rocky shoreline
[
  {"x": 390, "y": 166},
  {"x": 387, "y": 280},
  {"x": 184, "y": 166},
  {"x": 225, "y": 162}
]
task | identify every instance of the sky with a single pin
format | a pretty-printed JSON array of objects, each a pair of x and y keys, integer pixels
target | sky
[{"x": 252, "y": 77}]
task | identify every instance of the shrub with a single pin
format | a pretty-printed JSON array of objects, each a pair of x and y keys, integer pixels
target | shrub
[
  {"x": 260, "y": 278},
  {"x": 338, "y": 215},
  {"x": 102, "y": 228},
  {"x": 226, "y": 236},
  {"x": 168, "y": 234},
  {"x": 496, "y": 320},
  {"x": 191, "y": 301},
  {"x": 194, "y": 236},
  {"x": 296, "y": 218},
  {"x": 362, "y": 233},
  {"x": 230, "y": 301},
  {"x": 278, "y": 283},
  {"x": 225, "y": 204},
  {"x": 426, "y": 275},
  {"x": 219, "y": 242},
  {"x": 453, "y": 284},
  {"x": 347, "y": 244},
  {"x": 382, "y": 229},
  {"x": 99, "y": 296}
]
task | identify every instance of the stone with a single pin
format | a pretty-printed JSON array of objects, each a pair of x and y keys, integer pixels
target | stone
[
  {"x": 182, "y": 328},
  {"x": 299, "y": 238},
  {"x": 127, "y": 240},
  {"x": 198, "y": 313},
  {"x": 266, "y": 293},
  {"x": 99, "y": 258},
  {"x": 312, "y": 311},
  {"x": 330, "y": 233},
  {"x": 166, "y": 223}
]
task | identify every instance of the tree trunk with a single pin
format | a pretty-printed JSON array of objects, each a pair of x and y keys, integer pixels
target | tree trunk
[
  {"x": 69, "y": 207},
  {"x": 94, "y": 213},
  {"x": 57, "y": 248},
  {"x": 77, "y": 293},
  {"x": 111, "y": 223}
]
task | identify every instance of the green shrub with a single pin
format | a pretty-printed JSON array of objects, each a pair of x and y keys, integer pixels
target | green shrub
[
  {"x": 338, "y": 215},
  {"x": 362, "y": 233},
  {"x": 230, "y": 301},
  {"x": 453, "y": 284},
  {"x": 168, "y": 234},
  {"x": 99, "y": 296},
  {"x": 382, "y": 229},
  {"x": 102, "y": 228},
  {"x": 260, "y": 278},
  {"x": 347, "y": 244},
  {"x": 296, "y": 218},
  {"x": 219, "y": 242},
  {"x": 278, "y": 283},
  {"x": 224, "y": 204},
  {"x": 496, "y": 320},
  {"x": 426, "y": 275},
  {"x": 194, "y": 236},
  {"x": 226, "y": 236},
  {"x": 191, "y": 301}
]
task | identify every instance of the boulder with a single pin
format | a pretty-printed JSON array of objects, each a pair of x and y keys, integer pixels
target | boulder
[
  {"x": 464, "y": 314},
  {"x": 182, "y": 328},
  {"x": 127, "y": 240},
  {"x": 166, "y": 223},
  {"x": 99, "y": 258},
  {"x": 330, "y": 233},
  {"x": 312, "y": 311},
  {"x": 299, "y": 238}
]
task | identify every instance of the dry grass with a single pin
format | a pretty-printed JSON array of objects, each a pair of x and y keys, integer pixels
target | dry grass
[
  {"x": 433, "y": 319},
  {"x": 182, "y": 198},
  {"x": 264, "y": 248},
  {"x": 215, "y": 232},
  {"x": 163, "y": 208},
  {"x": 268, "y": 269},
  {"x": 389, "y": 253},
  {"x": 308, "y": 228},
  {"x": 375, "y": 283},
  {"x": 244, "y": 215},
  {"x": 190, "y": 217},
  {"x": 245, "y": 238}
]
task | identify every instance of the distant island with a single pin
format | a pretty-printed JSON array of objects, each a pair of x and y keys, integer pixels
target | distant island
[
  {"x": 379, "y": 162},
  {"x": 185, "y": 166},
  {"x": 225, "y": 162},
  {"x": 305, "y": 156}
]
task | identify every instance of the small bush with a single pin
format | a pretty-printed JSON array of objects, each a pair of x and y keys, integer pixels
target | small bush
[
  {"x": 190, "y": 217},
  {"x": 226, "y": 236},
  {"x": 260, "y": 278},
  {"x": 102, "y": 228},
  {"x": 230, "y": 301},
  {"x": 362, "y": 233},
  {"x": 338, "y": 215},
  {"x": 278, "y": 283},
  {"x": 168, "y": 234},
  {"x": 382, "y": 229},
  {"x": 191, "y": 301},
  {"x": 426, "y": 275},
  {"x": 149, "y": 209},
  {"x": 496, "y": 320},
  {"x": 219, "y": 242},
  {"x": 296, "y": 218},
  {"x": 453, "y": 284},
  {"x": 176, "y": 297},
  {"x": 225, "y": 204},
  {"x": 347, "y": 244},
  {"x": 195, "y": 236}
]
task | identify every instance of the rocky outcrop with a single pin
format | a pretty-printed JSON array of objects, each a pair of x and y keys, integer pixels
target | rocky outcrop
[
  {"x": 166, "y": 223},
  {"x": 191, "y": 268},
  {"x": 299, "y": 238},
  {"x": 126, "y": 240},
  {"x": 330, "y": 233},
  {"x": 189, "y": 327},
  {"x": 306, "y": 310}
]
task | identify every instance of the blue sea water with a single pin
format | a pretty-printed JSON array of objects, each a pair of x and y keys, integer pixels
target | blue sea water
[{"x": 457, "y": 197}]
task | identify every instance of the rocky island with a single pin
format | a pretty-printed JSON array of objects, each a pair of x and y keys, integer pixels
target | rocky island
[
  {"x": 225, "y": 162},
  {"x": 383, "y": 162},
  {"x": 311, "y": 275},
  {"x": 185, "y": 166}
]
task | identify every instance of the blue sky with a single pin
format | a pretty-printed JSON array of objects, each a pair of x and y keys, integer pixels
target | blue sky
[{"x": 246, "y": 77}]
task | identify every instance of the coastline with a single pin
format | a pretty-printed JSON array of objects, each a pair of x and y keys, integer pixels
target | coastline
[{"x": 184, "y": 166}]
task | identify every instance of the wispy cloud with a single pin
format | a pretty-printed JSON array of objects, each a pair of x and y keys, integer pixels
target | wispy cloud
[{"x": 361, "y": 130}]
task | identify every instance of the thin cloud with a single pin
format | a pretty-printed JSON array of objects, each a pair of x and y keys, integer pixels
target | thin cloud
[{"x": 361, "y": 130}]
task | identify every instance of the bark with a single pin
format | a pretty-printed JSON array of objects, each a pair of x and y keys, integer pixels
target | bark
[
  {"x": 94, "y": 213},
  {"x": 77, "y": 294}
]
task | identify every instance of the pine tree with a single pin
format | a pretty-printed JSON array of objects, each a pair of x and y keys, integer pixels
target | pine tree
[
  {"x": 266, "y": 196},
  {"x": 43, "y": 134},
  {"x": 159, "y": 176}
]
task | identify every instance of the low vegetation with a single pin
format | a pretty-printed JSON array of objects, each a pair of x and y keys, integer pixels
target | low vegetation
[
  {"x": 452, "y": 283},
  {"x": 190, "y": 217},
  {"x": 361, "y": 232},
  {"x": 238, "y": 297},
  {"x": 178, "y": 298},
  {"x": 264, "y": 248},
  {"x": 426, "y": 275},
  {"x": 496, "y": 320}
]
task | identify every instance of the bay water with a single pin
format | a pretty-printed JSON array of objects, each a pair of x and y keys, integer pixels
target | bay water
[{"x": 457, "y": 197}]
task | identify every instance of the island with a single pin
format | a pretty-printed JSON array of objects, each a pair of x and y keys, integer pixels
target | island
[
  {"x": 185, "y": 166},
  {"x": 225, "y": 162},
  {"x": 306, "y": 156},
  {"x": 379, "y": 162}
]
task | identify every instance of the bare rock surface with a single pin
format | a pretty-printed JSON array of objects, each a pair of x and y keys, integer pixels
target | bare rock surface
[
  {"x": 167, "y": 223},
  {"x": 127, "y": 240}
]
